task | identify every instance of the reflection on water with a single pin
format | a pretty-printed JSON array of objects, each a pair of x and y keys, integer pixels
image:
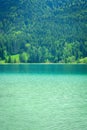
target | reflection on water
[{"x": 44, "y": 68}]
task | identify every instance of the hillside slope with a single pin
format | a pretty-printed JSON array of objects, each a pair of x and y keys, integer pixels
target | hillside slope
[{"x": 43, "y": 31}]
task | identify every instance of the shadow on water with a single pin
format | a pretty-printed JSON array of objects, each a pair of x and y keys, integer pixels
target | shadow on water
[{"x": 44, "y": 68}]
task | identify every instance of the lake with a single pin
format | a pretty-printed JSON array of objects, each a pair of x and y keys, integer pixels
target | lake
[{"x": 43, "y": 97}]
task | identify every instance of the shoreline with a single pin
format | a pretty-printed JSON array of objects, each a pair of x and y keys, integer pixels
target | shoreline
[{"x": 43, "y": 63}]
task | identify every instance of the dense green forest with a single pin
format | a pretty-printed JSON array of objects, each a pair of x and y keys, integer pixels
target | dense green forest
[{"x": 43, "y": 31}]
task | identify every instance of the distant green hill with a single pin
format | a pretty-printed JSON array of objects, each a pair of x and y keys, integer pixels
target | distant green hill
[{"x": 43, "y": 31}]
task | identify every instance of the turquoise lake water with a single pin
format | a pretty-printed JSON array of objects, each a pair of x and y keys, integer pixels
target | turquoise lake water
[{"x": 43, "y": 97}]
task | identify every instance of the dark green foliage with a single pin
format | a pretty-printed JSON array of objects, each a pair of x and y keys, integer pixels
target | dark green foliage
[{"x": 43, "y": 31}]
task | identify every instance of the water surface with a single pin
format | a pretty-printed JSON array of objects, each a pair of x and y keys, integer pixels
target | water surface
[{"x": 43, "y": 97}]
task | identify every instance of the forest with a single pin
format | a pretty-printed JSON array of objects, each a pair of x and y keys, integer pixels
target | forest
[{"x": 43, "y": 31}]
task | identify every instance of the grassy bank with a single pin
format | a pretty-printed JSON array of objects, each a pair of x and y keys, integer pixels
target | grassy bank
[{"x": 16, "y": 60}]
